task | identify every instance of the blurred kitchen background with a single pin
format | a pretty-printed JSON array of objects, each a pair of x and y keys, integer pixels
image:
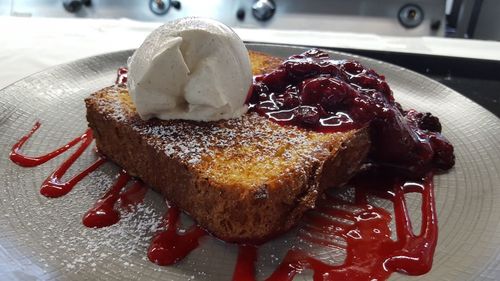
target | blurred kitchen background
[
  {"x": 455, "y": 42},
  {"x": 478, "y": 19}
]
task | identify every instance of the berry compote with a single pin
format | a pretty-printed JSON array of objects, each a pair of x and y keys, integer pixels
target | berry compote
[
  {"x": 313, "y": 91},
  {"x": 121, "y": 76}
]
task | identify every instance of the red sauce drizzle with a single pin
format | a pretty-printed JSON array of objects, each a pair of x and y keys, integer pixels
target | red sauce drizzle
[
  {"x": 133, "y": 196},
  {"x": 371, "y": 254},
  {"x": 169, "y": 246},
  {"x": 53, "y": 186},
  {"x": 104, "y": 213},
  {"x": 32, "y": 161},
  {"x": 245, "y": 265}
]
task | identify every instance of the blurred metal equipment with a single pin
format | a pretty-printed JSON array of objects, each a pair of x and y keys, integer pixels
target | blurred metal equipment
[
  {"x": 74, "y": 6},
  {"x": 388, "y": 17},
  {"x": 161, "y": 7},
  {"x": 478, "y": 19},
  {"x": 263, "y": 10},
  {"x": 411, "y": 15}
]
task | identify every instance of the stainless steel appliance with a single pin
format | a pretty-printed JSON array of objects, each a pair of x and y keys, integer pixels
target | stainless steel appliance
[
  {"x": 476, "y": 19},
  {"x": 389, "y": 17}
]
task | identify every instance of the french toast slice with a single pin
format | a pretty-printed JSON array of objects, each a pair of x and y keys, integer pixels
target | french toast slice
[{"x": 243, "y": 180}]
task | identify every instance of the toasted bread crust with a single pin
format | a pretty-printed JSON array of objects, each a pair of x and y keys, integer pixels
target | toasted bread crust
[{"x": 244, "y": 180}]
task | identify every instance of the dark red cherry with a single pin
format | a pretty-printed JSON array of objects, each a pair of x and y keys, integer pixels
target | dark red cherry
[
  {"x": 277, "y": 80},
  {"x": 313, "y": 91},
  {"x": 308, "y": 115},
  {"x": 328, "y": 92},
  {"x": 444, "y": 157},
  {"x": 316, "y": 53},
  {"x": 352, "y": 67},
  {"x": 290, "y": 101},
  {"x": 300, "y": 69},
  {"x": 429, "y": 122}
]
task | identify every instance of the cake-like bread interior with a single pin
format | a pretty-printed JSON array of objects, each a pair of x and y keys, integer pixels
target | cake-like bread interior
[{"x": 244, "y": 179}]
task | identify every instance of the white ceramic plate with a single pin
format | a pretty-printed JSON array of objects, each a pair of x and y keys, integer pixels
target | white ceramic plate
[{"x": 43, "y": 238}]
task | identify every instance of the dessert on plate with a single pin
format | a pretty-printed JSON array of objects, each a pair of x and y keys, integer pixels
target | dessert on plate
[
  {"x": 248, "y": 176},
  {"x": 246, "y": 143},
  {"x": 244, "y": 179}
]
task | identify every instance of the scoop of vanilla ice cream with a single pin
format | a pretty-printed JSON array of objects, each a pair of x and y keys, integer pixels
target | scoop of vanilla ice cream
[{"x": 191, "y": 68}]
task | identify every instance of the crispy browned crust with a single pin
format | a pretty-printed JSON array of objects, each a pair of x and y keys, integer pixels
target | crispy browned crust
[
  {"x": 244, "y": 179},
  {"x": 263, "y": 63}
]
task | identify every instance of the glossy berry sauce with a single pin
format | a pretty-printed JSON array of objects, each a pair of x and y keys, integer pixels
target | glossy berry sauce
[
  {"x": 370, "y": 253},
  {"x": 53, "y": 186},
  {"x": 133, "y": 196},
  {"x": 105, "y": 212},
  {"x": 312, "y": 91},
  {"x": 121, "y": 76},
  {"x": 33, "y": 161},
  {"x": 169, "y": 246}
]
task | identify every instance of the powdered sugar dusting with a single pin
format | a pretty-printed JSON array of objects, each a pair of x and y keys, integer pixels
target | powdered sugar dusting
[
  {"x": 127, "y": 238},
  {"x": 130, "y": 236},
  {"x": 251, "y": 139}
]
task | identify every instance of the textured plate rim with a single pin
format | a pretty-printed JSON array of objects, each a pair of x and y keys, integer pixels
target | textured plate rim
[{"x": 118, "y": 53}]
